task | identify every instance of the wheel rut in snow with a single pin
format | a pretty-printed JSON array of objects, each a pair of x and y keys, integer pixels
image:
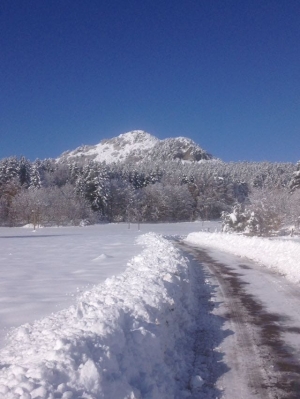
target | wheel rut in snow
[{"x": 260, "y": 357}]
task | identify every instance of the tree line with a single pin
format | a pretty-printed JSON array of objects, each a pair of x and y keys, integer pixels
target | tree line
[{"x": 84, "y": 191}]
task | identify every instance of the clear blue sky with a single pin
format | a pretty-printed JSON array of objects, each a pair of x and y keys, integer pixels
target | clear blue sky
[{"x": 224, "y": 73}]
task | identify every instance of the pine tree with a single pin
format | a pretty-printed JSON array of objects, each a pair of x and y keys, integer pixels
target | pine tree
[
  {"x": 35, "y": 178},
  {"x": 9, "y": 170},
  {"x": 295, "y": 181},
  {"x": 93, "y": 185},
  {"x": 24, "y": 172}
]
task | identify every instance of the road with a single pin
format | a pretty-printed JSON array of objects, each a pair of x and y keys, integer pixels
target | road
[{"x": 255, "y": 329}]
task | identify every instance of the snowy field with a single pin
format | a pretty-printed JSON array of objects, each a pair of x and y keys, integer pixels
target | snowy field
[
  {"x": 43, "y": 271},
  {"x": 111, "y": 341}
]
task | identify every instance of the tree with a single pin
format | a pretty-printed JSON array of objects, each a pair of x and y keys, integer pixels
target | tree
[
  {"x": 8, "y": 191},
  {"x": 295, "y": 181},
  {"x": 26, "y": 206},
  {"x": 50, "y": 205},
  {"x": 154, "y": 203},
  {"x": 294, "y": 209},
  {"x": 64, "y": 206},
  {"x": 24, "y": 172},
  {"x": 93, "y": 185},
  {"x": 118, "y": 199},
  {"x": 9, "y": 170},
  {"x": 35, "y": 178}
]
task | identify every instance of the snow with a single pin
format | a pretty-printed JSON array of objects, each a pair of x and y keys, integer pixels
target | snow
[
  {"x": 43, "y": 270},
  {"x": 127, "y": 327},
  {"x": 122, "y": 146},
  {"x": 128, "y": 337},
  {"x": 281, "y": 255},
  {"x": 135, "y": 146},
  {"x": 118, "y": 148}
]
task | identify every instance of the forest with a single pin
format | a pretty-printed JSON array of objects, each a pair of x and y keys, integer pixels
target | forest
[{"x": 255, "y": 197}]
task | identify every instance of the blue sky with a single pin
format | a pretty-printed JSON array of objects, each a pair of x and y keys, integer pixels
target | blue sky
[{"x": 224, "y": 73}]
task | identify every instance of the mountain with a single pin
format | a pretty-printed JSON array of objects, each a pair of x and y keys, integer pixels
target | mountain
[{"x": 138, "y": 145}]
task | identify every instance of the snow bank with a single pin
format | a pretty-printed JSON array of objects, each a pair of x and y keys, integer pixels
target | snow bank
[
  {"x": 281, "y": 255},
  {"x": 127, "y": 338}
]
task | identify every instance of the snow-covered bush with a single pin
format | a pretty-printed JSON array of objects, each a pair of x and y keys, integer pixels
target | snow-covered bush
[
  {"x": 234, "y": 221},
  {"x": 262, "y": 221},
  {"x": 261, "y": 217}
]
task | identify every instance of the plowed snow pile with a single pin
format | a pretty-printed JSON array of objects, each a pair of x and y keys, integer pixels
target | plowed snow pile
[{"x": 130, "y": 337}]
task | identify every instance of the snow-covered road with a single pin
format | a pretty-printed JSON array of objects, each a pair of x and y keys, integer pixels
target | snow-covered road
[{"x": 260, "y": 310}]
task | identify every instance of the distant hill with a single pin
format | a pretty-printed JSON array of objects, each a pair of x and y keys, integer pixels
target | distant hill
[{"x": 136, "y": 146}]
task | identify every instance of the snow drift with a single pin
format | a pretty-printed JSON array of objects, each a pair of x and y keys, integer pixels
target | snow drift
[
  {"x": 130, "y": 337},
  {"x": 279, "y": 254}
]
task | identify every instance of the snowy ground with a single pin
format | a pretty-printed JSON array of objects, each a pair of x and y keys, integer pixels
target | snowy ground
[
  {"x": 126, "y": 338},
  {"x": 43, "y": 271}
]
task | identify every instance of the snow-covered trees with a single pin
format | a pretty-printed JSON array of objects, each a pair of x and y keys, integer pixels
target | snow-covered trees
[
  {"x": 92, "y": 184},
  {"x": 157, "y": 191},
  {"x": 159, "y": 203},
  {"x": 118, "y": 200},
  {"x": 259, "y": 216},
  {"x": 34, "y": 177},
  {"x": 295, "y": 181},
  {"x": 50, "y": 205}
]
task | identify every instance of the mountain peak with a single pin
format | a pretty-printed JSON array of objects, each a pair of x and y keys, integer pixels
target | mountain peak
[
  {"x": 138, "y": 145},
  {"x": 136, "y": 136}
]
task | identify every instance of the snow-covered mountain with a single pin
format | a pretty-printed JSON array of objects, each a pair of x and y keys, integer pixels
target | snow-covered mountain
[{"x": 138, "y": 145}]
